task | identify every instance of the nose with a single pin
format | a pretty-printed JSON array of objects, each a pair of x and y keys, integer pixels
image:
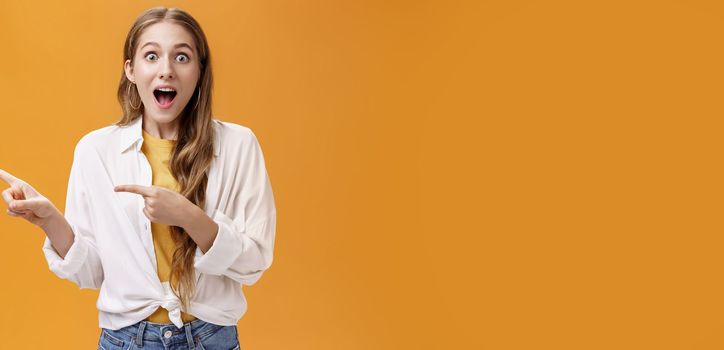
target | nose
[{"x": 166, "y": 70}]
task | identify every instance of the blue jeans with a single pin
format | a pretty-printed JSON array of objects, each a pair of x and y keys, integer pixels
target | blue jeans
[{"x": 197, "y": 335}]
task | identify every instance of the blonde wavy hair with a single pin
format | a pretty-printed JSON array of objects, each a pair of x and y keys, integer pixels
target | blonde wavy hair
[{"x": 192, "y": 155}]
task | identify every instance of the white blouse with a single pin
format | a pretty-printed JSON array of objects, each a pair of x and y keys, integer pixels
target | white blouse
[{"x": 113, "y": 248}]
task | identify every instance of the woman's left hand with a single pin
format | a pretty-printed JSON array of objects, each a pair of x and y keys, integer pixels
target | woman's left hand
[{"x": 163, "y": 206}]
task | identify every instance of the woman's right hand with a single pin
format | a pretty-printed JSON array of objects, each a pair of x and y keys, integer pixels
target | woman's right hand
[{"x": 25, "y": 202}]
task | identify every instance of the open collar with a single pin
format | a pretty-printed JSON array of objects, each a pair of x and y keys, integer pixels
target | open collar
[{"x": 132, "y": 134}]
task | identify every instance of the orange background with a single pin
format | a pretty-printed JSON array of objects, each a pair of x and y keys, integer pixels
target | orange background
[{"x": 448, "y": 174}]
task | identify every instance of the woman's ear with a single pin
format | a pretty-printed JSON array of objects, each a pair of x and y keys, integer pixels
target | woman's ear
[{"x": 128, "y": 68}]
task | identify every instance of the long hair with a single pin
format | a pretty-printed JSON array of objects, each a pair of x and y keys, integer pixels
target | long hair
[{"x": 192, "y": 155}]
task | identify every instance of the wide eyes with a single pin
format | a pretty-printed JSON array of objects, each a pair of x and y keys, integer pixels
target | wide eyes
[{"x": 182, "y": 57}]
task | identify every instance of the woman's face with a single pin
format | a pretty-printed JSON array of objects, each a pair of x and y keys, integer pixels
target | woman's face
[{"x": 165, "y": 58}]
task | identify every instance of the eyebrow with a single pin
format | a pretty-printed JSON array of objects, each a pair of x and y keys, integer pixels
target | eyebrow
[{"x": 175, "y": 46}]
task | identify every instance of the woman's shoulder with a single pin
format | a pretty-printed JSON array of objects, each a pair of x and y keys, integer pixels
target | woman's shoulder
[
  {"x": 232, "y": 128},
  {"x": 98, "y": 138},
  {"x": 235, "y": 140},
  {"x": 233, "y": 133}
]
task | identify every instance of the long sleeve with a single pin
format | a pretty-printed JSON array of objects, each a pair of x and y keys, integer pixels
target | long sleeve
[
  {"x": 244, "y": 244},
  {"x": 81, "y": 265}
]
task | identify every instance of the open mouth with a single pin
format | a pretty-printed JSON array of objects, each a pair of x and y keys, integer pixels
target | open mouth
[{"x": 164, "y": 96}]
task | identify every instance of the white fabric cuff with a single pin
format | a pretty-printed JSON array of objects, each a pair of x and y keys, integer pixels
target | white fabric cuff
[
  {"x": 224, "y": 250},
  {"x": 74, "y": 259}
]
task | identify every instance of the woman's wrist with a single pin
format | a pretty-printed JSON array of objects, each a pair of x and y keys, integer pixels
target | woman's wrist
[
  {"x": 53, "y": 221},
  {"x": 59, "y": 232}
]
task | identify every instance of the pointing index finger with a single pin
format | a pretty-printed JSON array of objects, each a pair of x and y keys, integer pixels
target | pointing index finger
[
  {"x": 138, "y": 189},
  {"x": 9, "y": 179}
]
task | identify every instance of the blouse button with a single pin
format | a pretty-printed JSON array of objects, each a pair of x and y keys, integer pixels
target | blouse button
[{"x": 168, "y": 334}]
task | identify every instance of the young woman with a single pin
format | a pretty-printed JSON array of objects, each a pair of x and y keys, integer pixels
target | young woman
[{"x": 168, "y": 211}]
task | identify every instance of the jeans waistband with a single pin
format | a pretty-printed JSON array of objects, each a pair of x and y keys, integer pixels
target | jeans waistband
[{"x": 167, "y": 332}]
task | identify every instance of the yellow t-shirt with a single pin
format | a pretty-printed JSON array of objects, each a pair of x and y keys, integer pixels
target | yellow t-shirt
[{"x": 158, "y": 152}]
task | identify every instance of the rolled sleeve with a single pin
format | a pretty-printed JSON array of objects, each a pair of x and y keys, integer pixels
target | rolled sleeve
[
  {"x": 74, "y": 258},
  {"x": 224, "y": 250},
  {"x": 241, "y": 256}
]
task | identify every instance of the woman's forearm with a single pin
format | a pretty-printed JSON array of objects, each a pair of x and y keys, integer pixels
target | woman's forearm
[
  {"x": 201, "y": 228},
  {"x": 59, "y": 232}
]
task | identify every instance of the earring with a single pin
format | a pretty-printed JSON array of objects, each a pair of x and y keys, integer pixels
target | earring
[{"x": 129, "y": 97}]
